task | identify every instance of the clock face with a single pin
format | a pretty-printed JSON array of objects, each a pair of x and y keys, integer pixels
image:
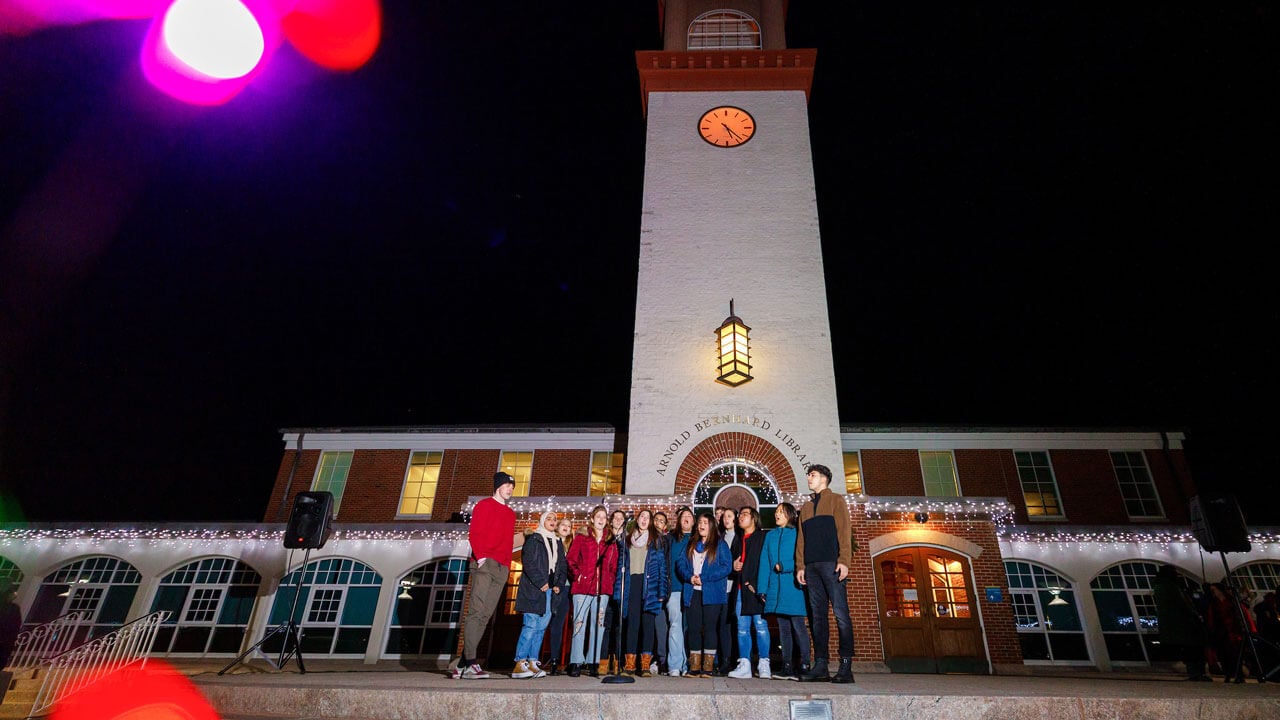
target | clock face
[{"x": 726, "y": 126}]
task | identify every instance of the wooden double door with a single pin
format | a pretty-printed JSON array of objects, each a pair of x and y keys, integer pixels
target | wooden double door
[{"x": 929, "y": 612}]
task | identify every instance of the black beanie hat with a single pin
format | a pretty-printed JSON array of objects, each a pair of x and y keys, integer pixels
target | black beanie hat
[{"x": 501, "y": 478}]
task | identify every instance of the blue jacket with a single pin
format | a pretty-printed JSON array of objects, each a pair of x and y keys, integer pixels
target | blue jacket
[
  {"x": 783, "y": 595},
  {"x": 657, "y": 585},
  {"x": 714, "y": 590},
  {"x": 678, "y": 544}
]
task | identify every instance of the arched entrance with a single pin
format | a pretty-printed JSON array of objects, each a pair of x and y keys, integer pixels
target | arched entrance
[
  {"x": 928, "y": 611},
  {"x": 737, "y": 484}
]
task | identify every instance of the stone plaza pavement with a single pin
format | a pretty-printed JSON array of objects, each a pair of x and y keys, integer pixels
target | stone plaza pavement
[{"x": 391, "y": 691}]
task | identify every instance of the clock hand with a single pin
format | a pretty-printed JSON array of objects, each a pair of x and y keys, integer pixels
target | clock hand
[{"x": 730, "y": 131}]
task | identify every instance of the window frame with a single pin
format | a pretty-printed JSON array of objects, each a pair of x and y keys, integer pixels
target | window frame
[
  {"x": 862, "y": 483},
  {"x": 404, "y": 485},
  {"x": 1053, "y": 483},
  {"x": 620, "y": 466},
  {"x": 1151, "y": 481},
  {"x": 320, "y": 468},
  {"x": 1036, "y": 573},
  {"x": 955, "y": 473},
  {"x": 502, "y": 467},
  {"x": 723, "y": 16}
]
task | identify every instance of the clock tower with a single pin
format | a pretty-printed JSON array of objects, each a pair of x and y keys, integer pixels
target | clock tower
[{"x": 729, "y": 239}]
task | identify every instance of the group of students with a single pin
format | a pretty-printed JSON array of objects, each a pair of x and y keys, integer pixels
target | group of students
[
  {"x": 677, "y": 590},
  {"x": 1216, "y": 631}
]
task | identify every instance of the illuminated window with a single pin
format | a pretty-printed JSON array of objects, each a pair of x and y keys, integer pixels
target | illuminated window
[
  {"x": 939, "y": 474},
  {"x": 420, "y": 483},
  {"x": 331, "y": 476},
  {"x": 606, "y": 474},
  {"x": 724, "y": 30},
  {"x": 518, "y": 465},
  {"x": 1045, "y": 614},
  {"x": 1136, "y": 486},
  {"x": 512, "y": 587},
  {"x": 1039, "y": 489},
  {"x": 852, "y": 473}
]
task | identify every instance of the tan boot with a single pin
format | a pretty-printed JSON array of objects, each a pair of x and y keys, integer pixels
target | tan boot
[
  {"x": 604, "y": 666},
  {"x": 646, "y": 659},
  {"x": 708, "y": 665},
  {"x": 630, "y": 667},
  {"x": 695, "y": 665}
]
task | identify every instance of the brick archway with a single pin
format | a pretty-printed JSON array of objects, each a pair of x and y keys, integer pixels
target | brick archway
[{"x": 728, "y": 446}]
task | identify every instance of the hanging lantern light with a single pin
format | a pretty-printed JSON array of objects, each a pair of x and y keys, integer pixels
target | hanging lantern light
[{"x": 733, "y": 351}]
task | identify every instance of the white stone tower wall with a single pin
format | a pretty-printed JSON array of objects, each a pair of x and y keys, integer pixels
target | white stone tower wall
[{"x": 721, "y": 223}]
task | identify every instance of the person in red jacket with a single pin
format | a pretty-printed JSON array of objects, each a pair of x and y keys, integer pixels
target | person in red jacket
[
  {"x": 493, "y": 537},
  {"x": 593, "y": 565}
]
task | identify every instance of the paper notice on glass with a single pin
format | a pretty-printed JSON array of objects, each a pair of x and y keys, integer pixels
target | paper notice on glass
[{"x": 910, "y": 596}]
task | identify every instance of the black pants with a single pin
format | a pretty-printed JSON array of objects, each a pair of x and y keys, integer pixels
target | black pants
[
  {"x": 790, "y": 626},
  {"x": 823, "y": 589},
  {"x": 561, "y": 608},
  {"x": 700, "y": 620},
  {"x": 728, "y": 632},
  {"x": 638, "y": 628}
]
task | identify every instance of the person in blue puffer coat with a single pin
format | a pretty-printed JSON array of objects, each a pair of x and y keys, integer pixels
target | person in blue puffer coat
[
  {"x": 784, "y": 598},
  {"x": 643, "y": 587},
  {"x": 703, "y": 568}
]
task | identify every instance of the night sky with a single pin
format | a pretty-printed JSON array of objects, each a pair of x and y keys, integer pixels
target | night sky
[{"x": 1032, "y": 216}]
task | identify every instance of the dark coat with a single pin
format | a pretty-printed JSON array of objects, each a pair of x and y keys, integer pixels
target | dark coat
[
  {"x": 657, "y": 583},
  {"x": 749, "y": 573},
  {"x": 530, "y": 597},
  {"x": 1180, "y": 624}
]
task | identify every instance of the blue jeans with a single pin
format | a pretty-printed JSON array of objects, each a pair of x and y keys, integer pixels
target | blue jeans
[
  {"x": 675, "y": 635},
  {"x": 745, "y": 623},
  {"x": 584, "y": 606},
  {"x": 535, "y": 626}
]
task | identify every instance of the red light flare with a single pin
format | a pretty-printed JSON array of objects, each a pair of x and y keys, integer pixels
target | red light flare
[
  {"x": 335, "y": 34},
  {"x": 156, "y": 692}
]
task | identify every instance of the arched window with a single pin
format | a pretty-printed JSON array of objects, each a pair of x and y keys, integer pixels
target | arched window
[
  {"x": 10, "y": 573},
  {"x": 426, "y": 617},
  {"x": 735, "y": 483},
  {"x": 1046, "y": 615},
  {"x": 102, "y": 586},
  {"x": 1127, "y": 613},
  {"x": 335, "y": 607},
  {"x": 724, "y": 30},
  {"x": 210, "y": 602},
  {"x": 1259, "y": 577}
]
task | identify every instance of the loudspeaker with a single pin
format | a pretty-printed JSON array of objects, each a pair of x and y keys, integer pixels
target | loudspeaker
[
  {"x": 1218, "y": 524},
  {"x": 309, "y": 522}
]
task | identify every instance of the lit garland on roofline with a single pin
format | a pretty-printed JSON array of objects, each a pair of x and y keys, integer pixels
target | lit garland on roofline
[
  {"x": 1119, "y": 537},
  {"x": 265, "y": 534},
  {"x": 951, "y": 509}
]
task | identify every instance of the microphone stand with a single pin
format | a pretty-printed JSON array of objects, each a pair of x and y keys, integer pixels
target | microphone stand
[{"x": 618, "y": 677}]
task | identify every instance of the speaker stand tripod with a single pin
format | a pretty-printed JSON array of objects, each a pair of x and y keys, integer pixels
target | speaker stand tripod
[
  {"x": 1250, "y": 638},
  {"x": 288, "y": 627}
]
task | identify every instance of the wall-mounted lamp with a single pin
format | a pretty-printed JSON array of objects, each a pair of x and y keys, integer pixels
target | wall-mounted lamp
[
  {"x": 1056, "y": 592},
  {"x": 922, "y": 517},
  {"x": 733, "y": 352}
]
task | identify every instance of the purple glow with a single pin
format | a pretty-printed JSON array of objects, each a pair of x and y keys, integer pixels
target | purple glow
[{"x": 203, "y": 73}]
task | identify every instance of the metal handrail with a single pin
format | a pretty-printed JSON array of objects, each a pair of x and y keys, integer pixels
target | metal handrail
[
  {"x": 129, "y": 645},
  {"x": 48, "y": 640}
]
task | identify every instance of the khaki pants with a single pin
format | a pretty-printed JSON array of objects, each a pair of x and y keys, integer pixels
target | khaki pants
[{"x": 487, "y": 582}]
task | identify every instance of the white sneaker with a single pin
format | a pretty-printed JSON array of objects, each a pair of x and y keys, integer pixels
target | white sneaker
[
  {"x": 673, "y": 671},
  {"x": 536, "y": 667},
  {"x": 743, "y": 670},
  {"x": 474, "y": 672},
  {"x": 762, "y": 668}
]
